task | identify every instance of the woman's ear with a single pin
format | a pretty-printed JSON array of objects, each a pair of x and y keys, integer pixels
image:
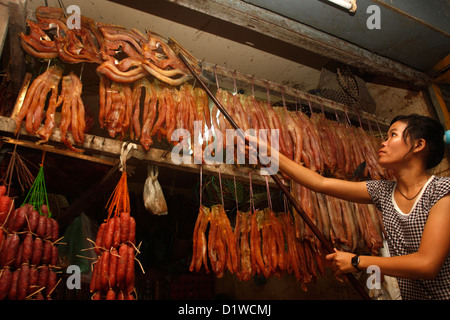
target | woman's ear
[{"x": 419, "y": 145}]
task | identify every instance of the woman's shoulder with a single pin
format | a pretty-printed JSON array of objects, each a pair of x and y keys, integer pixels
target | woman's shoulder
[
  {"x": 381, "y": 183},
  {"x": 437, "y": 188},
  {"x": 441, "y": 183}
]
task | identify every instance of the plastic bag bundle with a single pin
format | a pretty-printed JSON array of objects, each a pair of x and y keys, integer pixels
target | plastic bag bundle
[{"x": 154, "y": 200}]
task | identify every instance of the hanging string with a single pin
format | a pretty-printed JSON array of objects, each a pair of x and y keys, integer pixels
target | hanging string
[
  {"x": 234, "y": 82},
  {"x": 43, "y": 157},
  {"x": 378, "y": 126},
  {"x": 269, "y": 200},
  {"x": 282, "y": 97},
  {"x": 346, "y": 115},
  {"x": 310, "y": 108},
  {"x": 285, "y": 201},
  {"x": 370, "y": 127},
  {"x": 359, "y": 118},
  {"x": 221, "y": 191},
  {"x": 253, "y": 86},
  {"x": 321, "y": 106},
  {"x": 81, "y": 71},
  {"x": 252, "y": 203},
  {"x": 268, "y": 92},
  {"x": 126, "y": 149},
  {"x": 217, "y": 79},
  {"x": 201, "y": 185},
  {"x": 335, "y": 113},
  {"x": 235, "y": 193}
]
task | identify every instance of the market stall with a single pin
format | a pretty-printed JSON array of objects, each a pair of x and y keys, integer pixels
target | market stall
[{"x": 144, "y": 190}]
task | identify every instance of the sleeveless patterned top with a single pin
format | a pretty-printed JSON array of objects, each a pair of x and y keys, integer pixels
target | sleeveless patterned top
[{"x": 404, "y": 232}]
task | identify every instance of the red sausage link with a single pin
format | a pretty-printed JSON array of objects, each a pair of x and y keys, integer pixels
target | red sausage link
[
  {"x": 55, "y": 256},
  {"x": 18, "y": 257},
  {"x": 41, "y": 230},
  {"x": 132, "y": 233},
  {"x": 43, "y": 276},
  {"x": 47, "y": 252},
  {"x": 109, "y": 235},
  {"x": 12, "y": 295},
  {"x": 11, "y": 220},
  {"x": 104, "y": 270},
  {"x": 2, "y": 239},
  {"x": 34, "y": 275},
  {"x": 33, "y": 220},
  {"x": 129, "y": 277},
  {"x": 7, "y": 241},
  {"x": 5, "y": 283},
  {"x": 124, "y": 226},
  {"x": 96, "y": 296},
  {"x": 122, "y": 265},
  {"x": 2, "y": 190},
  {"x": 55, "y": 229},
  {"x": 116, "y": 238},
  {"x": 27, "y": 251},
  {"x": 49, "y": 230},
  {"x": 24, "y": 282},
  {"x": 12, "y": 249},
  {"x": 99, "y": 239},
  {"x": 20, "y": 219},
  {"x": 37, "y": 252},
  {"x": 120, "y": 295},
  {"x": 112, "y": 270},
  {"x": 51, "y": 283},
  {"x": 111, "y": 295}
]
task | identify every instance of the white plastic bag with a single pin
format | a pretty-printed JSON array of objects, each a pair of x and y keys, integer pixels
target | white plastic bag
[{"x": 154, "y": 200}]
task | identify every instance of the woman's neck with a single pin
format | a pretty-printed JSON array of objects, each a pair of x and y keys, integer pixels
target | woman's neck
[{"x": 409, "y": 179}]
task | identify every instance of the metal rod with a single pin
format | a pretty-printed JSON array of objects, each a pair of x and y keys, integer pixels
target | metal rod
[{"x": 324, "y": 241}]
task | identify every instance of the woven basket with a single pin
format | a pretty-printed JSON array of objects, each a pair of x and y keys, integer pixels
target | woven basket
[{"x": 341, "y": 83}]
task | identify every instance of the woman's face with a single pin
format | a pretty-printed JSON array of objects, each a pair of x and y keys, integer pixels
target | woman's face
[{"x": 394, "y": 148}]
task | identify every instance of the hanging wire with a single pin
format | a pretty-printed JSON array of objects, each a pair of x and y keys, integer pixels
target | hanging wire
[
  {"x": 378, "y": 126},
  {"x": 252, "y": 202},
  {"x": 253, "y": 86},
  {"x": 335, "y": 113},
  {"x": 234, "y": 82},
  {"x": 321, "y": 105},
  {"x": 282, "y": 97},
  {"x": 235, "y": 193},
  {"x": 201, "y": 185},
  {"x": 37, "y": 195},
  {"x": 221, "y": 191},
  {"x": 346, "y": 115},
  {"x": 268, "y": 92},
  {"x": 217, "y": 79},
  {"x": 310, "y": 107},
  {"x": 269, "y": 200}
]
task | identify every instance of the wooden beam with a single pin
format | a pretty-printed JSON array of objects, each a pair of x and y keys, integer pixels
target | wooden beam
[
  {"x": 295, "y": 33},
  {"x": 226, "y": 76},
  {"x": 107, "y": 151}
]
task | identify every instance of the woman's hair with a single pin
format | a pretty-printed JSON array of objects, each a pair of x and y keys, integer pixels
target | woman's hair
[{"x": 432, "y": 131}]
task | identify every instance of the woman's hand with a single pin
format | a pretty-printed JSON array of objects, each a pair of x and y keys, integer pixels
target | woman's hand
[{"x": 341, "y": 261}]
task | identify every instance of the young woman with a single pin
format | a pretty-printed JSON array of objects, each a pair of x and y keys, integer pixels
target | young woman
[{"x": 415, "y": 208}]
